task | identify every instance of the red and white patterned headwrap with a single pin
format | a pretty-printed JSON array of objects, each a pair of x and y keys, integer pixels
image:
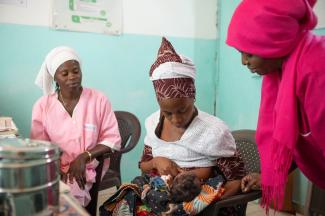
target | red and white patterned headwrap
[{"x": 173, "y": 75}]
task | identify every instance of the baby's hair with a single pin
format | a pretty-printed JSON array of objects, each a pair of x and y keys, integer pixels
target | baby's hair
[{"x": 184, "y": 188}]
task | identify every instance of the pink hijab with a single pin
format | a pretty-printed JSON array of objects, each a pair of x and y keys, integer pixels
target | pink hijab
[{"x": 274, "y": 29}]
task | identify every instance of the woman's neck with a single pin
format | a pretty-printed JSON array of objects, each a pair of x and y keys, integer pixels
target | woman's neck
[
  {"x": 71, "y": 95},
  {"x": 168, "y": 132},
  {"x": 69, "y": 99}
]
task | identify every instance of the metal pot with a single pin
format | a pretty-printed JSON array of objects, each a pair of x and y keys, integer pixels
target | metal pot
[{"x": 29, "y": 177}]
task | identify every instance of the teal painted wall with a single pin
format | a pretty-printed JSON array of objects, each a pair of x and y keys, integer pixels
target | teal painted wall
[
  {"x": 116, "y": 65},
  {"x": 238, "y": 90}
]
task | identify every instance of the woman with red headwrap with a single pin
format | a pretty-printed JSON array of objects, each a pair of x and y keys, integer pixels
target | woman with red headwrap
[
  {"x": 181, "y": 139},
  {"x": 275, "y": 40},
  {"x": 180, "y": 136}
]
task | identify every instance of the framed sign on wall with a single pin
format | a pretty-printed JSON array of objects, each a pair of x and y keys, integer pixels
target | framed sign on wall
[{"x": 100, "y": 16}]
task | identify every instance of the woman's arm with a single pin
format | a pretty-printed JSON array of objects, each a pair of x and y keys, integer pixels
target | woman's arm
[
  {"x": 77, "y": 167},
  {"x": 38, "y": 130},
  {"x": 146, "y": 166},
  {"x": 163, "y": 165},
  {"x": 252, "y": 181},
  {"x": 108, "y": 138},
  {"x": 233, "y": 169},
  {"x": 231, "y": 188},
  {"x": 98, "y": 150},
  {"x": 201, "y": 172}
]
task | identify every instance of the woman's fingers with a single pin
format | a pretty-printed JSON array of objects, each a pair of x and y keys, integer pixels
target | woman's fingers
[
  {"x": 77, "y": 172},
  {"x": 257, "y": 181},
  {"x": 171, "y": 171},
  {"x": 250, "y": 182},
  {"x": 81, "y": 182},
  {"x": 245, "y": 182},
  {"x": 165, "y": 166},
  {"x": 70, "y": 177},
  {"x": 80, "y": 178},
  {"x": 180, "y": 170},
  {"x": 63, "y": 177},
  {"x": 174, "y": 171}
]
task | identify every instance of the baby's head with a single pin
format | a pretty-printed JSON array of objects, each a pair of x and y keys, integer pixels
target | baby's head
[{"x": 185, "y": 187}]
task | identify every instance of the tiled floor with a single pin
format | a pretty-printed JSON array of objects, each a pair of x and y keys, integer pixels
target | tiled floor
[{"x": 254, "y": 209}]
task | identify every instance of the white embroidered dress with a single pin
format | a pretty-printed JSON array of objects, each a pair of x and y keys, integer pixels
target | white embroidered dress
[{"x": 206, "y": 139}]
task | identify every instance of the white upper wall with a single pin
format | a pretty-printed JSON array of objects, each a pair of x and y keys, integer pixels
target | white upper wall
[
  {"x": 36, "y": 12},
  {"x": 183, "y": 18},
  {"x": 180, "y": 18}
]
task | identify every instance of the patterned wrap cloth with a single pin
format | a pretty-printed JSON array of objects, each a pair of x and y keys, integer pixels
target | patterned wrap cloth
[{"x": 127, "y": 200}]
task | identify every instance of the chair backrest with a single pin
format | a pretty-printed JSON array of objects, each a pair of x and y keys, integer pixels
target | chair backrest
[
  {"x": 130, "y": 131},
  {"x": 246, "y": 145}
]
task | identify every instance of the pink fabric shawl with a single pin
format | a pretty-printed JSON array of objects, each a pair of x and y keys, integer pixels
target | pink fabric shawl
[{"x": 273, "y": 29}]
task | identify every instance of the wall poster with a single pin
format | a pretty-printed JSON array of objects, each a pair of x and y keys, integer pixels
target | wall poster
[{"x": 100, "y": 16}]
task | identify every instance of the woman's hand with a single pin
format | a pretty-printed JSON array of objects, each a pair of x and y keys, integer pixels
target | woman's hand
[
  {"x": 77, "y": 170},
  {"x": 250, "y": 182},
  {"x": 64, "y": 176},
  {"x": 165, "y": 166}
]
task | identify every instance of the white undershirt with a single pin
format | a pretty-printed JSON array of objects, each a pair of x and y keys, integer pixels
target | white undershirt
[{"x": 206, "y": 139}]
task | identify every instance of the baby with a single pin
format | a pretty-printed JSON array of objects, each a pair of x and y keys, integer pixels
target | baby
[{"x": 183, "y": 188}]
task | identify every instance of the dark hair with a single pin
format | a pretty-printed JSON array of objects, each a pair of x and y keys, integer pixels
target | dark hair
[
  {"x": 185, "y": 188},
  {"x": 57, "y": 87}
]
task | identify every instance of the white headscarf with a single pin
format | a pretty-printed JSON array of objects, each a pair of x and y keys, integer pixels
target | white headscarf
[
  {"x": 52, "y": 61},
  {"x": 167, "y": 70}
]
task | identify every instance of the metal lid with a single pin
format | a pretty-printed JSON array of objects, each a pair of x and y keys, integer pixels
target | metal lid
[{"x": 26, "y": 149}]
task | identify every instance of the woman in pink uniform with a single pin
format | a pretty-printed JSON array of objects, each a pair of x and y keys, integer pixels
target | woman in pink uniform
[
  {"x": 79, "y": 120},
  {"x": 276, "y": 41}
]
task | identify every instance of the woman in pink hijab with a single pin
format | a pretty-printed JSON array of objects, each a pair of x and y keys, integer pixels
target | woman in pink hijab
[{"x": 275, "y": 40}]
